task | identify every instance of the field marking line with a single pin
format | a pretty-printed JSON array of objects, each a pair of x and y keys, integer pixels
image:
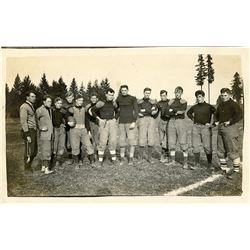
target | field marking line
[{"x": 193, "y": 186}]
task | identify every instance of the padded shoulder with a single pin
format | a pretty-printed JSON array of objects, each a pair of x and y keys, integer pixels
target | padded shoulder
[
  {"x": 171, "y": 101},
  {"x": 153, "y": 101},
  {"x": 183, "y": 101},
  {"x": 88, "y": 106},
  {"x": 71, "y": 110},
  {"x": 99, "y": 104},
  {"x": 140, "y": 101}
]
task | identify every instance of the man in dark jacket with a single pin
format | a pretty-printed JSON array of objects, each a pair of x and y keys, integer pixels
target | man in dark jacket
[
  {"x": 128, "y": 113},
  {"x": 29, "y": 129},
  {"x": 228, "y": 114}
]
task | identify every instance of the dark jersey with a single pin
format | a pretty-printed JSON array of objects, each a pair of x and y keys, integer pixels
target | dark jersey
[
  {"x": 201, "y": 113},
  {"x": 105, "y": 110},
  {"x": 128, "y": 108},
  {"x": 146, "y": 106},
  {"x": 177, "y": 105},
  {"x": 163, "y": 107}
]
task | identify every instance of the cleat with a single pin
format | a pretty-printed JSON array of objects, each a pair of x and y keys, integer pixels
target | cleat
[
  {"x": 195, "y": 167},
  {"x": 43, "y": 168},
  {"x": 131, "y": 162},
  {"x": 123, "y": 161},
  {"x": 185, "y": 166},
  {"x": 170, "y": 163},
  {"x": 47, "y": 171}
]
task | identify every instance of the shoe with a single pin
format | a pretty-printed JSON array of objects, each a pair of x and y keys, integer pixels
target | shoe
[
  {"x": 163, "y": 159},
  {"x": 80, "y": 163},
  {"x": 185, "y": 166},
  {"x": 43, "y": 168},
  {"x": 230, "y": 173},
  {"x": 57, "y": 164},
  {"x": 47, "y": 171},
  {"x": 151, "y": 160},
  {"x": 170, "y": 163},
  {"x": 114, "y": 162},
  {"x": 131, "y": 161},
  {"x": 123, "y": 161},
  {"x": 196, "y": 166},
  {"x": 99, "y": 164}
]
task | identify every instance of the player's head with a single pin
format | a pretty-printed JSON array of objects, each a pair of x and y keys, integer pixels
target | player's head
[
  {"x": 58, "y": 102},
  {"x": 225, "y": 94},
  {"x": 124, "y": 90},
  {"x": 31, "y": 97},
  {"x": 147, "y": 93},
  {"x": 47, "y": 101},
  {"x": 200, "y": 96},
  {"x": 110, "y": 94},
  {"x": 93, "y": 98},
  {"x": 164, "y": 95},
  {"x": 79, "y": 100},
  {"x": 178, "y": 92},
  {"x": 70, "y": 97}
]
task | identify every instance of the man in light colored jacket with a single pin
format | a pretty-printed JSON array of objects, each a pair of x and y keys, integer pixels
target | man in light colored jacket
[
  {"x": 29, "y": 129},
  {"x": 44, "y": 118}
]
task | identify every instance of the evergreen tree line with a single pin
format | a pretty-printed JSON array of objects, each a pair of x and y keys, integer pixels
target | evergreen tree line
[{"x": 16, "y": 96}]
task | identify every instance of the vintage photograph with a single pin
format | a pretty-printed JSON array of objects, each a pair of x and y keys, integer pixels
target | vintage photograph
[{"x": 139, "y": 121}]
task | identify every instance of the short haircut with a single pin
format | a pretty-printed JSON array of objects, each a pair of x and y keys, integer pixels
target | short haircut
[
  {"x": 57, "y": 99},
  {"x": 27, "y": 94},
  {"x": 78, "y": 96},
  {"x": 93, "y": 94},
  {"x": 225, "y": 90},
  {"x": 124, "y": 87},
  {"x": 109, "y": 90},
  {"x": 199, "y": 92},
  {"x": 69, "y": 93},
  {"x": 178, "y": 88},
  {"x": 163, "y": 92},
  {"x": 47, "y": 97},
  {"x": 147, "y": 89}
]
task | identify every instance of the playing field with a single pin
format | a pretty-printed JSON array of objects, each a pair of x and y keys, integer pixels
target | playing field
[{"x": 139, "y": 180}]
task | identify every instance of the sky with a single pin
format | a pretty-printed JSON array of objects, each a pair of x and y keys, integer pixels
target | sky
[{"x": 157, "y": 69}]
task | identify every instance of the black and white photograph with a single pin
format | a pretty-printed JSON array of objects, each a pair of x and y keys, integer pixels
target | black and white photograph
[{"x": 125, "y": 121}]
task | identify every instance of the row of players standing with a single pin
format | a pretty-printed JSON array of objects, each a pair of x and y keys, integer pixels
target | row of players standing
[{"x": 95, "y": 128}]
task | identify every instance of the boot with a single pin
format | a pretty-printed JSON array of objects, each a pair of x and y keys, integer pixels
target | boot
[
  {"x": 131, "y": 161},
  {"x": 197, "y": 161},
  {"x": 91, "y": 160},
  {"x": 171, "y": 161},
  {"x": 46, "y": 165},
  {"x": 75, "y": 161},
  {"x": 150, "y": 158},
  {"x": 209, "y": 161}
]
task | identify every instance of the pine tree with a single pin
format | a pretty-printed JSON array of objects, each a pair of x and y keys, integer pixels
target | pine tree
[
  {"x": 237, "y": 88},
  {"x": 105, "y": 85},
  {"x": 73, "y": 87},
  {"x": 43, "y": 86},
  {"x": 89, "y": 88},
  {"x": 201, "y": 71},
  {"x": 209, "y": 73},
  {"x": 59, "y": 89}
]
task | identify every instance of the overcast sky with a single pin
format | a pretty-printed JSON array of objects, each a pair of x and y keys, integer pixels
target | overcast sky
[{"x": 137, "y": 69}]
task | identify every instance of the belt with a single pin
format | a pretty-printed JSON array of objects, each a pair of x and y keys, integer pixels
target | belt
[
  {"x": 80, "y": 126},
  {"x": 200, "y": 124}
]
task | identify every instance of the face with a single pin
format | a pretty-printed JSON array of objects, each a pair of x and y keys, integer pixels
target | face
[
  {"x": 164, "y": 96},
  {"x": 31, "y": 98},
  {"x": 110, "y": 96},
  {"x": 47, "y": 103},
  {"x": 93, "y": 99},
  {"x": 70, "y": 99},
  {"x": 58, "y": 104},
  {"x": 200, "y": 98},
  {"x": 178, "y": 94},
  {"x": 79, "y": 102},
  {"x": 124, "y": 91},
  {"x": 225, "y": 97},
  {"x": 147, "y": 94}
]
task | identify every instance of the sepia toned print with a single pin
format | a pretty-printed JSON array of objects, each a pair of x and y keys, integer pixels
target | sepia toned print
[{"x": 126, "y": 122}]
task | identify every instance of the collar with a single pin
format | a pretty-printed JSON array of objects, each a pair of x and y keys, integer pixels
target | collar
[{"x": 78, "y": 107}]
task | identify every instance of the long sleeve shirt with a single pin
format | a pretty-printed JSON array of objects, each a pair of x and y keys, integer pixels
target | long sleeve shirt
[
  {"x": 146, "y": 107},
  {"x": 163, "y": 107},
  {"x": 27, "y": 117},
  {"x": 106, "y": 110},
  {"x": 228, "y": 111},
  {"x": 128, "y": 109},
  {"x": 177, "y": 105},
  {"x": 58, "y": 117},
  {"x": 201, "y": 113}
]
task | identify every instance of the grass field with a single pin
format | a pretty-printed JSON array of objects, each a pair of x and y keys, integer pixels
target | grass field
[{"x": 139, "y": 180}]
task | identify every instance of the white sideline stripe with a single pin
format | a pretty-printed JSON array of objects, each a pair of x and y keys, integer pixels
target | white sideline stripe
[{"x": 193, "y": 186}]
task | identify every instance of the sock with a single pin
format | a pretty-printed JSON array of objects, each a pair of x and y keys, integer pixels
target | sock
[
  {"x": 185, "y": 154},
  {"x": 197, "y": 157},
  {"x": 122, "y": 152},
  {"x": 113, "y": 155},
  {"x": 236, "y": 164},
  {"x": 131, "y": 151},
  {"x": 172, "y": 155},
  {"x": 209, "y": 158},
  {"x": 100, "y": 155},
  {"x": 141, "y": 151},
  {"x": 223, "y": 164}
]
